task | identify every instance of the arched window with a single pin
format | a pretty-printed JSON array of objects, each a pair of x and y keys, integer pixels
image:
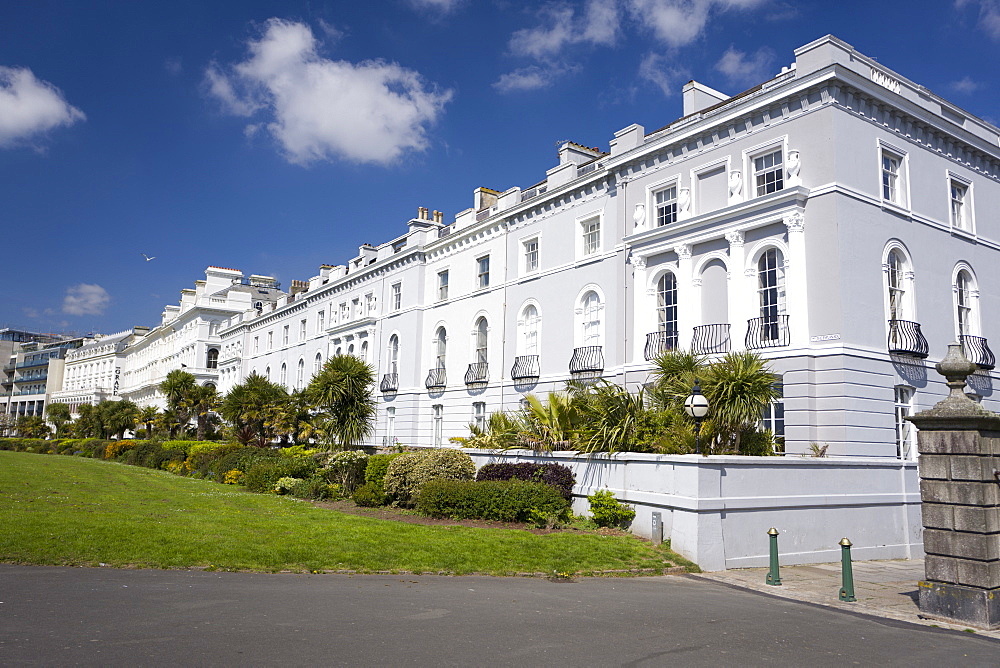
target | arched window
[
  {"x": 393, "y": 354},
  {"x": 482, "y": 340},
  {"x": 350, "y": 349},
  {"x": 258, "y": 306},
  {"x": 666, "y": 304},
  {"x": 591, "y": 319},
  {"x": 964, "y": 313},
  {"x": 267, "y": 373},
  {"x": 530, "y": 335},
  {"x": 300, "y": 373},
  {"x": 317, "y": 363},
  {"x": 212, "y": 361},
  {"x": 771, "y": 284},
  {"x": 896, "y": 286},
  {"x": 283, "y": 379},
  {"x": 440, "y": 348},
  {"x": 364, "y": 350}
]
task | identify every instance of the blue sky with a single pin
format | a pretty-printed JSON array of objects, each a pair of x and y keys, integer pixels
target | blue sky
[{"x": 273, "y": 137}]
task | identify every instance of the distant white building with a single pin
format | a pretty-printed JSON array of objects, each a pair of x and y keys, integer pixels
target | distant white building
[{"x": 92, "y": 372}]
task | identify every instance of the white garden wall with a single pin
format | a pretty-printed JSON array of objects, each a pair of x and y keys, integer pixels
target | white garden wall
[{"x": 716, "y": 510}]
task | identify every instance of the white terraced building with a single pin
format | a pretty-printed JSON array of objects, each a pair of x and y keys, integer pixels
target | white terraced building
[{"x": 833, "y": 219}]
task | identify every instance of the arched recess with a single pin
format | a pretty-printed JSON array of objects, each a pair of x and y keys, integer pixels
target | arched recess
[
  {"x": 898, "y": 282},
  {"x": 529, "y": 328},
  {"x": 713, "y": 279},
  {"x": 480, "y": 340}
]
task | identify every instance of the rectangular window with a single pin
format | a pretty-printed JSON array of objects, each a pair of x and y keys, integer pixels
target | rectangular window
[
  {"x": 344, "y": 312},
  {"x": 892, "y": 165},
  {"x": 774, "y": 414},
  {"x": 396, "y": 300},
  {"x": 531, "y": 255},
  {"x": 479, "y": 415},
  {"x": 370, "y": 303},
  {"x": 442, "y": 285},
  {"x": 959, "y": 208},
  {"x": 483, "y": 272},
  {"x": 284, "y": 335},
  {"x": 256, "y": 343},
  {"x": 356, "y": 307},
  {"x": 390, "y": 425},
  {"x": 768, "y": 172},
  {"x": 591, "y": 230},
  {"x": 320, "y": 322},
  {"x": 270, "y": 340},
  {"x": 438, "y": 425},
  {"x": 904, "y": 429},
  {"x": 302, "y": 330},
  {"x": 666, "y": 206}
]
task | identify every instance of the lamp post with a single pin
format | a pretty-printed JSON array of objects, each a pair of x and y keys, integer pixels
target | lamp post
[{"x": 696, "y": 405}]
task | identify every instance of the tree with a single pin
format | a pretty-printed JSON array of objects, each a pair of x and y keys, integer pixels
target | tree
[
  {"x": 342, "y": 390},
  {"x": 550, "y": 425},
  {"x": 58, "y": 414},
  {"x": 148, "y": 416},
  {"x": 739, "y": 387},
  {"x": 32, "y": 426},
  {"x": 177, "y": 388},
  {"x": 202, "y": 400},
  {"x": 117, "y": 417},
  {"x": 609, "y": 417},
  {"x": 288, "y": 418},
  {"x": 247, "y": 408}
]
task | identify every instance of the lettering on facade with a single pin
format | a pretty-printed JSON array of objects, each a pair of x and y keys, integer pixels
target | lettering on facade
[
  {"x": 825, "y": 337},
  {"x": 884, "y": 80},
  {"x": 118, "y": 370}
]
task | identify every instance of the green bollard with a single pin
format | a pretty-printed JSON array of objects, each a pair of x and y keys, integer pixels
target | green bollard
[
  {"x": 847, "y": 591},
  {"x": 773, "y": 578}
]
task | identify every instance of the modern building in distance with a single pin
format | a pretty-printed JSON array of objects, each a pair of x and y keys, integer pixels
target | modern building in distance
[{"x": 34, "y": 370}]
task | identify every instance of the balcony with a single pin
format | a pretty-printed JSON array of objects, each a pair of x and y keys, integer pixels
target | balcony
[
  {"x": 978, "y": 352},
  {"x": 660, "y": 342},
  {"x": 587, "y": 360},
  {"x": 389, "y": 384},
  {"x": 769, "y": 332},
  {"x": 905, "y": 338},
  {"x": 711, "y": 339},
  {"x": 437, "y": 379},
  {"x": 477, "y": 375},
  {"x": 526, "y": 367}
]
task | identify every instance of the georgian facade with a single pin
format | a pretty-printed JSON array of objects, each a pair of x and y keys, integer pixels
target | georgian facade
[{"x": 92, "y": 372}]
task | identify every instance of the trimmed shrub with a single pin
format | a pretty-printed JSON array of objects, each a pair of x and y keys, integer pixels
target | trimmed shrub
[
  {"x": 315, "y": 487},
  {"x": 116, "y": 449},
  {"x": 138, "y": 455},
  {"x": 347, "y": 468},
  {"x": 298, "y": 451},
  {"x": 163, "y": 459},
  {"x": 559, "y": 476},
  {"x": 370, "y": 495},
  {"x": 202, "y": 456},
  {"x": 607, "y": 511},
  {"x": 241, "y": 460},
  {"x": 375, "y": 470},
  {"x": 398, "y": 482},
  {"x": 408, "y": 472},
  {"x": 501, "y": 500},
  {"x": 182, "y": 445},
  {"x": 263, "y": 475}
]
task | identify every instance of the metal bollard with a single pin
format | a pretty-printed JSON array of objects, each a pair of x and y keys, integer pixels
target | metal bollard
[
  {"x": 847, "y": 574},
  {"x": 773, "y": 578}
]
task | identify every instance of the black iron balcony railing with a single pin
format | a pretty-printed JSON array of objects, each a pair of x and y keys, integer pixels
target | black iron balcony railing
[
  {"x": 526, "y": 367},
  {"x": 905, "y": 338},
  {"x": 588, "y": 359},
  {"x": 437, "y": 379},
  {"x": 767, "y": 332},
  {"x": 978, "y": 352},
  {"x": 390, "y": 383},
  {"x": 710, "y": 339},
  {"x": 477, "y": 374},
  {"x": 660, "y": 342}
]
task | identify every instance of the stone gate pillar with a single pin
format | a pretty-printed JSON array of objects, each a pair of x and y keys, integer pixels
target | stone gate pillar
[{"x": 959, "y": 446}]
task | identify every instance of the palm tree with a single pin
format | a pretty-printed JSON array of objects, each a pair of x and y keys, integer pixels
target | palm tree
[
  {"x": 177, "y": 387},
  {"x": 501, "y": 431},
  {"x": 118, "y": 417},
  {"x": 610, "y": 417},
  {"x": 289, "y": 416},
  {"x": 739, "y": 387},
  {"x": 343, "y": 390},
  {"x": 32, "y": 426},
  {"x": 202, "y": 400},
  {"x": 148, "y": 416},
  {"x": 248, "y": 406},
  {"x": 550, "y": 425},
  {"x": 674, "y": 373},
  {"x": 58, "y": 414}
]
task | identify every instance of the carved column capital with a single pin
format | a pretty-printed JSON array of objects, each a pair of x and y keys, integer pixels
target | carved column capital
[
  {"x": 639, "y": 262},
  {"x": 795, "y": 222},
  {"x": 683, "y": 251},
  {"x": 735, "y": 238}
]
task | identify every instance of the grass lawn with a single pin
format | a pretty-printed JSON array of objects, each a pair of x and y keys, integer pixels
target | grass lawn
[{"x": 83, "y": 512}]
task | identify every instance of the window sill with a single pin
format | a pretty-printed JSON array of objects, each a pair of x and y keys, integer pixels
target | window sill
[
  {"x": 896, "y": 208},
  {"x": 588, "y": 259},
  {"x": 965, "y": 234}
]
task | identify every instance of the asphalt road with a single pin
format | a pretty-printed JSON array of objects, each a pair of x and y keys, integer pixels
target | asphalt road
[{"x": 109, "y": 617}]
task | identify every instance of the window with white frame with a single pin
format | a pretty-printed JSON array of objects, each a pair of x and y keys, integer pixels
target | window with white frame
[
  {"x": 530, "y": 331},
  {"x": 483, "y": 272},
  {"x": 350, "y": 349},
  {"x": 666, "y": 304},
  {"x": 440, "y": 348},
  {"x": 591, "y": 319},
  {"x": 774, "y": 413},
  {"x": 256, "y": 344},
  {"x": 267, "y": 373},
  {"x": 590, "y": 230},
  {"x": 270, "y": 340},
  {"x": 768, "y": 172},
  {"x": 364, "y": 351},
  {"x": 396, "y": 297},
  {"x": 771, "y": 290},
  {"x": 302, "y": 330},
  {"x": 283, "y": 378},
  {"x": 317, "y": 363},
  {"x": 964, "y": 305},
  {"x": 482, "y": 340},
  {"x": 438, "y": 415},
  {"x": 393, "y": 354},
  {"x": 300, "y": 374},
  {"x": 896, "y": 280},
  {"x": 345, "y": 312},
  {"x": 530, "y": 256},
  {"x": 666, "y": 206},
  {"x": 390, "y": 425},
  {"x": 442, "y": 285},
  {"x": 893, "y": 171},
  {"x": 356, "y": 307},
  {"x": 479, "y": 415},
  {"x": 904, "y": 429},
  {"x": 370, "y": 303},
  {"x": 320, "y": 322},
  {"x": 961, "y": 217},
  {"x": 284, "y": 335}
]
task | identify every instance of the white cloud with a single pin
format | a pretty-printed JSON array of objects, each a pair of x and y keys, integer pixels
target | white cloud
[
  {"x": 321, "y": 109},
  {"x": 526, "y": 78},
  {"x": 85, "y": 299},
  {"x": 965, "y": 85},
  {"x": 596, "y": 25},
  {"x": 659, "y": 71},
  {"x": 174, "y": 66},
  {"x": 680, "y": 22},
  {"x": 740, "y": 68},
  {"x": 30, "y": 107},
  {"x": 989, "y": 14},
  {"x": 444, "y": 6}
]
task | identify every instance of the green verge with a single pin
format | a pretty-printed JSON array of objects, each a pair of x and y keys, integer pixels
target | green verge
[{"x": 84, "y": 512}]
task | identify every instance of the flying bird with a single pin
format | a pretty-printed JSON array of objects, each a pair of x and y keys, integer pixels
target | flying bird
[{"x": 147, "y": 257}]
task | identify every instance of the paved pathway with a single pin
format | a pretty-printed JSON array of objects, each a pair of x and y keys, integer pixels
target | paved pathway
[{"x": 883, "y": 588}]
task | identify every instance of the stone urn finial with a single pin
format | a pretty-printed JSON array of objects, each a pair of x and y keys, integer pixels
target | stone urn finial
[{"x": 956, "y": 368}]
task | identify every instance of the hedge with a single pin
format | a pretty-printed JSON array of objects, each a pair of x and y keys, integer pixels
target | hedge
[
  {"x": 559, "y": 476},
  {"x": 504, "y": 501}
]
